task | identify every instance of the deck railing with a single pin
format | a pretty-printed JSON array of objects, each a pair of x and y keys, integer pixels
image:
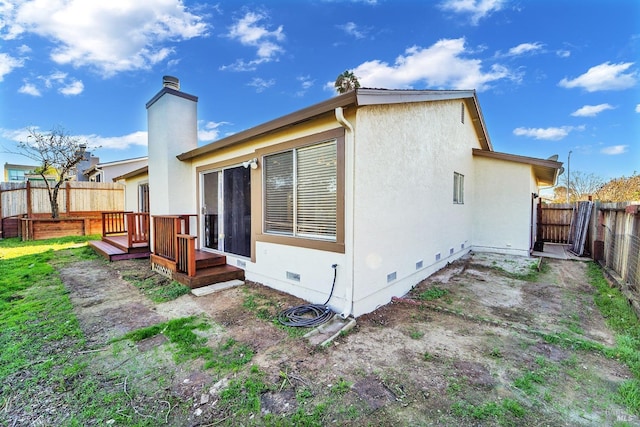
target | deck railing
[
  {"x": 166, "y": 229},
  {"x": 138, "y": 228},
  {"x": 186, "y": 254},
  {"x": 134, "y": 224},
  {"x": 113, "y": 223}
]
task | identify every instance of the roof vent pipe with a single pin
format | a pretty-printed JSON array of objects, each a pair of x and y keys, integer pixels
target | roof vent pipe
[{"x": 171, "y": 82}]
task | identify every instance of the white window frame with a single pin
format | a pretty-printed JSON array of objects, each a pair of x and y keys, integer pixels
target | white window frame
[{"x": 458, "y": 188}]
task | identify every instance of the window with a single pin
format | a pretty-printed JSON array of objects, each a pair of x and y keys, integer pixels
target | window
[
  {"x": 458, "y": 188},
  {"x": 16, "y": 175},
  {"x": 300, "y": 190},
  {"x": 143, "y": 197}
]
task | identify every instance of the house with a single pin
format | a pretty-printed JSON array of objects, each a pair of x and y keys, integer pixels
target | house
[
  {"x": 388, "y": 186},
  {"x": 107, "y": 171},
  {"x": 18, "y": 173}
]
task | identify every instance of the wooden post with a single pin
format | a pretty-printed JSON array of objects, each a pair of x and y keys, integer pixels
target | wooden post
[
  {"x": 67, "y": 188},
  {"x": 29, "y": 209}
]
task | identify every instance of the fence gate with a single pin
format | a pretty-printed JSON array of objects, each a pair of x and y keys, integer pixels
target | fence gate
[{"x": 554, "y": 222}]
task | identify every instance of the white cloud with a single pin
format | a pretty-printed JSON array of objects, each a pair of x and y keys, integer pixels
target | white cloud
[
  {"x": 261, "y": 84},
  {"x": 109, "y": 36},
  {"x": 29, "y": 89},
  {"x": 117, "y": 142},
  {"x": 442, "y": 65},
  {"x": 76, "y": 87},
  {"x": 523, "y": 48},
  {"x": 551, "y": 134},
  {"x": 563, "y": 53},
  {"x": 352, "y": 29},
  {"x": 8, "y": 64},
  {"x": 209, "y": 131},
  {"x": 638, "y": 108},
  {"x": 247, "y": 31},
  {"x": 591, "y": 110},
  {"x": 614, "y": 150},
  {"x": 605, "y": 76},
  {"x": 477, "y": 9}
]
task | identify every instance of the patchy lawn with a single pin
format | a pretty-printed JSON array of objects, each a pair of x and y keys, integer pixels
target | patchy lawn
[{"x": 489, "y": 340}]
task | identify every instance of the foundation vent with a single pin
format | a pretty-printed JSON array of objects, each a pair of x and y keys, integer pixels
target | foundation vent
[
  {"x": 391, "y": 277},
  {"x": 419, "y": 265},
  {"x": 293, "y": 276},
  {"x": 438, "y": 256}
]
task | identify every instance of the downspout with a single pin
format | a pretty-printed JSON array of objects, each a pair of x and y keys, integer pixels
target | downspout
[{"x": 349, "y": 157}]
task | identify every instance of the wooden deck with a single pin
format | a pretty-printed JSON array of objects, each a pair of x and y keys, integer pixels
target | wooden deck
[{"x": 211, "y": 268}]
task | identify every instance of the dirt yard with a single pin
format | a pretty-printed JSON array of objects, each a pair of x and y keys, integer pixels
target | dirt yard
[{"x": 465, "y": 347}]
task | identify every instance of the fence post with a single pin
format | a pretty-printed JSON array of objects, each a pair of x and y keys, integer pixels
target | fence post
[
  {"x": 67, "y": 189},
  {"x": 29, "y": 209}
]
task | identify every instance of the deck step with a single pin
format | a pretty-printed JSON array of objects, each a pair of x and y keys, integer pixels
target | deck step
[
  {"x": 209, "y": 276},
  {"x": 113, "y": 253},
  {"x": 208, "y": 259},
  {"x": 209, "y": 289}
]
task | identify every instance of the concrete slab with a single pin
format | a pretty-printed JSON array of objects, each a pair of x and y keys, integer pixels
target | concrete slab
[
  {"x": 558, "y": 251},
  {"x": 327, "y": 332},
  {"x": 206, "y": 290}
]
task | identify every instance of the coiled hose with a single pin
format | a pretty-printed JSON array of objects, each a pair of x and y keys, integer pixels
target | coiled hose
[{"x": 309, "y": 315}]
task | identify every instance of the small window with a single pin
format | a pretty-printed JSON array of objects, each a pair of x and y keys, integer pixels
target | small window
[{"x": 458, "y": 188}]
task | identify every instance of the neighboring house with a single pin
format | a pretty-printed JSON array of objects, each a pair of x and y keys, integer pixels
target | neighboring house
[
  {"x": 18, "y": 173},
  {"x": 390, "y": 185},
  {"x": 23, "y": 173},
  {"x": 109, "y": 171},
  {"x": 88, "y": 161}
]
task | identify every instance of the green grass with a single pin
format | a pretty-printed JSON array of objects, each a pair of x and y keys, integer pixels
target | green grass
[
  {"x": 621, "y": 318},
  {"x": 188, "y": 345},
  {"x": 433, "y": 294},
  {"x": 503, "y": 411},
  {"x": 42, "y": 343}
]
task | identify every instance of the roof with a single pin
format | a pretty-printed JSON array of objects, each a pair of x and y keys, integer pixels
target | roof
[
  {"x": 141, "y": 171},
  {"x": 546, "y": 171},
  {"x": 356, "y": 98}
]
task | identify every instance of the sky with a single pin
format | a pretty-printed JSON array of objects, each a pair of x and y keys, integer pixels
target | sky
[{"x": 552, "y": 76}]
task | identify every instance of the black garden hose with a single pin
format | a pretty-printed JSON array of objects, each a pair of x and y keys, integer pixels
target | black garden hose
[{"x": 309, "y": 315}]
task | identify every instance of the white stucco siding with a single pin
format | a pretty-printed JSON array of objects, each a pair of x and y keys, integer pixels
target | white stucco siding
[
  {"x": 503, "y": 192},
  {"x": 405, "y": 159},
  {"x": 273, "y": 261},
  {"x": 172, "y": 125},
  {"x": 131, "y": 192}
]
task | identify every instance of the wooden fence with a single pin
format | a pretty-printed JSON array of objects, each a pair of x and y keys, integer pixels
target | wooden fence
[
  {"x": 75, "y": 199},
  {"x": 610, "y": 235}
]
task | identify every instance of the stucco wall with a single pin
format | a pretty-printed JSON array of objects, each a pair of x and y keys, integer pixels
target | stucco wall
[
  {"x": 111, "y": 171},
  {"x": 131, "y": 192},
  {"x": 503, "y": 193},
  {"x": 172, "y": 125},
  {"x": 404, "y": 215}
]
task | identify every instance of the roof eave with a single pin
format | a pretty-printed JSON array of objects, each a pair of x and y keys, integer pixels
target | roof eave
[{"x": 546, "y": 171}]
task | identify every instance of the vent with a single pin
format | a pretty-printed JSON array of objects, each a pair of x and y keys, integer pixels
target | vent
[
  {"x": 171, "y": 82},
  {"x": 461, "y": 245},
  {"x": 451, "y": 250},
  {"x": 391, "y": 277},
  {"x": 293, "y": 276},
  {"x": 438, "y": 256},
  {"x": 419, "y": 265},
  {"x": 240, "y": 263}
]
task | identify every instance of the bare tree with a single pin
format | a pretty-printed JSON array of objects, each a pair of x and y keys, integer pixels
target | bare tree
[
  {"x": 583, "y": 185},
  {"x": 54, "y": 151},
  {"x": 347, "y": 81}
]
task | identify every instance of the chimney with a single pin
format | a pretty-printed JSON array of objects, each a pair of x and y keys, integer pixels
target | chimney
[
  {"x": 172, "y": 125},
  {"x": 171, "y": 82}
]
